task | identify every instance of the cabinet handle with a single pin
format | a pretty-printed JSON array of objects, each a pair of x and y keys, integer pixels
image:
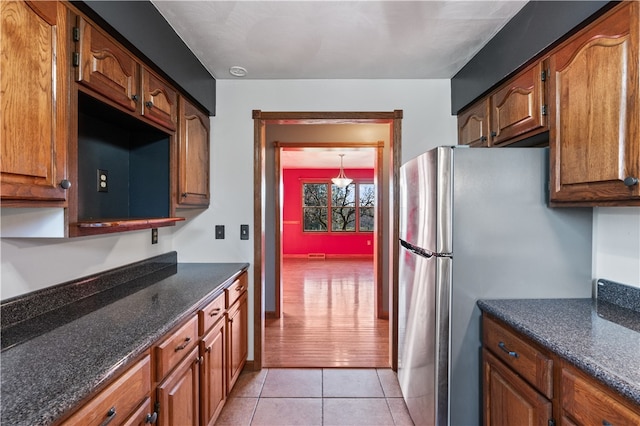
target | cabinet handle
[
  {"x": 606, "y": 423},
  {"x": 65, "y": 184},
  {"x": 504, "y": 348},
  {"x": 151, "y": 418},
  {"x": 149, "y": 104},
  {"x": 184, "y": 195},
  {"x": 184, "y": 345},
  {"x": 494, "y": 134},
  {"x": 135, "y": 98},
  {"x": 111, "y": 414},
  {"x": 630, "y": 181},
  {"x": 199, "y": 360},
  {"x": 215, "y": 312},
  {"x": 483, "y": 139}
]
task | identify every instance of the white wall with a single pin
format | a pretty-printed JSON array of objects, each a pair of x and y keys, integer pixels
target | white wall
[
  {"x": 35, "y": 263},
  {"x": 616, "y": 244}
]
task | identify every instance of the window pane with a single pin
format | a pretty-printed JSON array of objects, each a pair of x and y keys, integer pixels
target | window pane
[
  {"x": 315, "y": 194},
  {"x": 367, "y": 194},
  {"x": 343, "y": 197},
  {"x": 315, "y": 218},
  {"x": 366, "y": 218},
  {"x": 343, "y": 219}
]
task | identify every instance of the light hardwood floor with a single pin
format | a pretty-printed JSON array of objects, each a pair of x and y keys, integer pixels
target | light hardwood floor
[{"x": 328, "y": 317}]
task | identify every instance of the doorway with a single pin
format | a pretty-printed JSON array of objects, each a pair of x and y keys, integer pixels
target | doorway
[{"x": 265, "y": 226}]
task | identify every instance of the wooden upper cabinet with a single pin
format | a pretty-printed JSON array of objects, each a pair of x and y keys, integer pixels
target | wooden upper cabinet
[
  {"x": 34, "y": 94},
  {"x": 114, "y": 73},
  {"x": 473, "y": 125},
  {"x": 595, "y": 128},
  {"x": 517, "y": 107},
  {"x": 160, "y": 100},
  {"x": 193, "y": 158},
  {"x": 105, "y": 67}
]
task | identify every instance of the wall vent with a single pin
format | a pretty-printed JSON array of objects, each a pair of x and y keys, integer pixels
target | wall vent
[{"x": 316, "y": 256}]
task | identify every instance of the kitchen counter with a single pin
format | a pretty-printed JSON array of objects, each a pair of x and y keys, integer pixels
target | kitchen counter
[
  {"x": 45, "y": 374},
  {"x": 599, "y": 337}
]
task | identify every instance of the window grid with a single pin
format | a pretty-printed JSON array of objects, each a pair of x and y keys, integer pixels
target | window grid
[{"x": 329, "y": 209}]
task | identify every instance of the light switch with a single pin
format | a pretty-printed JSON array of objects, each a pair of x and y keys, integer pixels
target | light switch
[
  {"x": 219, "y": 232},
  {"x": 244, "y": 232}
]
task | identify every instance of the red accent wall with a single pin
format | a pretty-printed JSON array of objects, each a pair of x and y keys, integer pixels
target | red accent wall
[{"x": 297, "y": 242}]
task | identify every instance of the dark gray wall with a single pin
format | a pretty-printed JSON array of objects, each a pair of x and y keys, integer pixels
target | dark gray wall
[
  {"x": 140, "y": 23},
  {"x": 536, "y": 27}
]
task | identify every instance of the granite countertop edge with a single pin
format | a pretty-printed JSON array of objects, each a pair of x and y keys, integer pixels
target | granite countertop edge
[
  {"x": 24, "y": 405},
  {"x": 590, "y": 365}
]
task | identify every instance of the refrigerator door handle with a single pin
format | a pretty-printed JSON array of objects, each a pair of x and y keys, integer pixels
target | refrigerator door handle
[{"x": 422, "y": 252}]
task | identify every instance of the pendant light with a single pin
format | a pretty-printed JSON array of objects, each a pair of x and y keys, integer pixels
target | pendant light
[{"x": 341, "y": 181}]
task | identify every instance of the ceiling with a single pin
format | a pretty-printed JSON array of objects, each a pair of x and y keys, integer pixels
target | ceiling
[
  {"x": 366, "y": 39},
  {"x": 329, "y": 39}
]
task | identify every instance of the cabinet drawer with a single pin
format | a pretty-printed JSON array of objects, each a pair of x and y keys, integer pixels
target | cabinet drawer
[
  {"x": 211, "y": 313},
  {"x": 119, "y": 399},
  {"x": 236, "y": 289},
  {"x": 175, "y": 347},
  {"x": 592, "y": 404},
  {"x": 526, "y": 360}
]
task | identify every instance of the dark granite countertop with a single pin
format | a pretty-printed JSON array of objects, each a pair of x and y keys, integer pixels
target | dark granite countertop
[
  {"x": 601, "y": 338},
  {"x": 51, "y": 372}
]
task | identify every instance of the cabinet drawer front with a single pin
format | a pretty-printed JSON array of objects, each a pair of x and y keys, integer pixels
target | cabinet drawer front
[
  {"x": 211, "y": 313},
  {"x": 119, "y": 399},
  {"x": 236, "y": 289},
  {"x": 175, "y": 347},
  {"x": 590, "y": 404},
  {"x": 526, "y": 360}
]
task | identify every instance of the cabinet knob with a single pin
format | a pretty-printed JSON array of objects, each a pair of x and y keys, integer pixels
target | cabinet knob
[
  {"x": 494, "y": 134},
  {"x": 483, "y": 139},
  {"x": 149, "y": 104},
  {"x": 65, "y": 184},
  {"x": 184, "y": 195},
  {"x": 111, "y": 414},
  {"x": 151, "y": 418},
  {"x": 630, "y": 181},
  {"x": 135, "y": 98}
]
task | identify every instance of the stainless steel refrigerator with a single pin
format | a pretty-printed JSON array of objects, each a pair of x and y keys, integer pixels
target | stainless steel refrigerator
[{"x": 474, "y": 224}]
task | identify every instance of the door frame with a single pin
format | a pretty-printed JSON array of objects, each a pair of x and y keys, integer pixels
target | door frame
[
  {"x": 377, "y": 273},
  {"x": 390, "y": 180}
]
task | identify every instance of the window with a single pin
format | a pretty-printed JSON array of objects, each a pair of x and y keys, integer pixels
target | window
[{"x": 328, "y": 208}]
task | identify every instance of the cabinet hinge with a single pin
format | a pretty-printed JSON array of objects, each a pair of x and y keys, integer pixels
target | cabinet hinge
[
  {"x": 543, "y": 110},
  {"x": 543, "y": 75},
  {"x": 76, "y": 59},
  {"x": 551, "y": 422},
  {"x": 76, "y": 34}
]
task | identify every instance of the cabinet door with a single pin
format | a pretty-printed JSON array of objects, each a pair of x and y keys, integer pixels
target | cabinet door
[
  {"x": 105, "y": 67},
  {"x": 594, "y": 135},
  {"x": 160, "y": 100},
  {"x": 473, "y": 125},
  {"x": 193, "y": 159},
  {"x": 213, "y": 391},
  {"x": 592, "y": 404},
  {"x": 517, "y": 107},
  {"x": 237, "y": 340},
  {"x": 34, "y": 93},
  {"x": 178, "y": 394},
  {"x": 509, "y": 400}
]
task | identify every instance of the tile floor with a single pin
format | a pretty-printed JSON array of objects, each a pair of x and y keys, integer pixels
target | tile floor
[{"x": 316, "y": 396}]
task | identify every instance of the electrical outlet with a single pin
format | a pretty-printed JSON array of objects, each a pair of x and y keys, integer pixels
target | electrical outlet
[
  {"x": 244, "y": 232},
  {"x": 219, "y": 232},
  {"x": 103, "y": 180},
  {"x": 154, "y": 236}
]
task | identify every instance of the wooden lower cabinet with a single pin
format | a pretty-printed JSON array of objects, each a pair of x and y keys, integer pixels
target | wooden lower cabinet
[
  {"x": 213, "y": 389},
  {"x": 508, "y": 399},
  {"x": 121, "y": 402},
  {"x": 517, "y": 376},
  {"x": 179, "y": 393},
  {"x": 237, "y": 339}
]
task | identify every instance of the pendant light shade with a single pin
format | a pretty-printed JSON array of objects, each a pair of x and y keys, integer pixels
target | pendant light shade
[{"x": 341, "y": 181}]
